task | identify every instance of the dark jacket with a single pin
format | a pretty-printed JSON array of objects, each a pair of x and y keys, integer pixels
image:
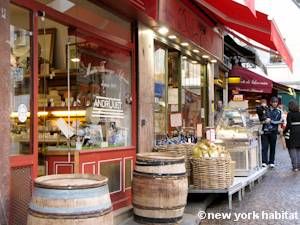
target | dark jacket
[
  {"x": 293, "y": 126},
  {"x": 276, "y": 119},
  {"x": 262, "y": 112},
  {"x": 274, "y": 114}
]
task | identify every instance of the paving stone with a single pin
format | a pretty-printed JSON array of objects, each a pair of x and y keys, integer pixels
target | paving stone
[
  {"x": 188, "y": 219},
  {"x": 279, "y": 191}
]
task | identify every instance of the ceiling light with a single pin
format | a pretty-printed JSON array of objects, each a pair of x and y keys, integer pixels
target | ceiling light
[
  {"x": 194, "y": 62},
  {"x": 213, "y": 61},
  {"x": 75, "y": 60},
  {"x": 172, "y": 37},
  {"x": 184, "y": 57},
  {"x": 61, "y": 5},
  {"x": 184, "y": 44},
  {"x": 205, "y": 57},
  {"x": 196, "y": 51},
  {"x": 163, "y": 30}
]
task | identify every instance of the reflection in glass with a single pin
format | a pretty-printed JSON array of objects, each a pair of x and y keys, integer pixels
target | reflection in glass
[
  {"x": 191, "y": 88},
  {"x": 89, "y": 105},
  {"x": 21, "y": 73},
  {"x": 160, "y": 104}
]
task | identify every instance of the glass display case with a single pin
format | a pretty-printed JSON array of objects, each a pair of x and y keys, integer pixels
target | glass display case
[{"x": 239, "y": 135}]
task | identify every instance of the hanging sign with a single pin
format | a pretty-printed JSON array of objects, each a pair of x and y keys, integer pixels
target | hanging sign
[
  {"x": 104, "y": 107},
  {"x": 22, "y": 113}
]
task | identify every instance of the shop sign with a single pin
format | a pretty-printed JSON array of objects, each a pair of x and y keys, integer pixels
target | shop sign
[
  {"x": 104, "y": 107},
  {"x": 250, "y": 81},
  {"x": 238, "y": 98},
  {"x": 177, "y": 16}
]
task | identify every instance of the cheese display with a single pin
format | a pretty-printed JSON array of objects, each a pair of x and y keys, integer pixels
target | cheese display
[{"x": 205, "y": 149}]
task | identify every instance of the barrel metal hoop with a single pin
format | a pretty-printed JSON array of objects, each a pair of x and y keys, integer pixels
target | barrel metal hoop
[
  {"x": 173, "y": 176},
  {"x": 147, "y": 220},
  {"x": 70, "y": 216},
  {"x": 46, "y": 186},
  {"x": 156, "y": 162},
  {"x": 157, "y": 208}
]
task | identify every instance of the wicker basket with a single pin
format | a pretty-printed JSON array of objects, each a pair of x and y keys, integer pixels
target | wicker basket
[
  {"x": 182, "y": 149},
  {"x": 213, "y": 173}
]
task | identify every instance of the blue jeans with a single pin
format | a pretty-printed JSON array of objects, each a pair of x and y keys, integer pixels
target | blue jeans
[{"x": 267, "y": 140}]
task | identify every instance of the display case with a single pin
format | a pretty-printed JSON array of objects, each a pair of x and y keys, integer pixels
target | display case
[{"x": 239, "y": 135}]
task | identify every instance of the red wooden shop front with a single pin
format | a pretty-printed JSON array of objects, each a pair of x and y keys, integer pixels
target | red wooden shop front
[{"x": 24, "y": 168}]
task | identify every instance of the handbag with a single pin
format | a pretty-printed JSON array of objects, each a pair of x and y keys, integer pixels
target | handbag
[{"x": 287, "y": 135}]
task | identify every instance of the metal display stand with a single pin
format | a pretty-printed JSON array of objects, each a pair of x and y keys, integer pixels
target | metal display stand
[{"x": 239, "y": 185}]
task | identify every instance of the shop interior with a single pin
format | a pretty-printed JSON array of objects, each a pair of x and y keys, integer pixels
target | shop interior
[
  {"x": 180, "y": 95},
  {"x": 84, "y": 89}
]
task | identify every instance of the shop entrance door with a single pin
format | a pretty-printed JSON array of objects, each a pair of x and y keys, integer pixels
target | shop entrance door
[{"x": 22, "y": 157}]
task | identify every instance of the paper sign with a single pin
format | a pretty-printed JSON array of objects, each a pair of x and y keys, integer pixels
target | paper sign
[
  {"x": 173, "y": 96},
  {"x": 174, "y": 108},
  {"x": 211, "y": 135},
  {"x": 199, "y": 130},
  {"x": 202, "y": 113},
  {"x": 65, "y": 128},
  {"x": 176, "y": 120}
]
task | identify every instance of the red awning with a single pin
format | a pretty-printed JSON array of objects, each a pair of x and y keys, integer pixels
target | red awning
[
  {"x": 239, "y": 18},
  {"x": 250, "y": 81}
]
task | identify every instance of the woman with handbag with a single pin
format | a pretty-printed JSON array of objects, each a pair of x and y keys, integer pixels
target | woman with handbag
[{"x": 292, "y": 134}]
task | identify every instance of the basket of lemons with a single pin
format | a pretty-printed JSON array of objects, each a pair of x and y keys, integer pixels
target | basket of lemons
[{"x": 212, "y": 167}]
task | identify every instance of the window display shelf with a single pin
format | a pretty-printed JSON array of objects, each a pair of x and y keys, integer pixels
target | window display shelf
[{"x": 61, "y": 108}]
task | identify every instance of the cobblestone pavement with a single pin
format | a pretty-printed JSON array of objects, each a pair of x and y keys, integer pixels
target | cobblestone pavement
[{"x": 278, "y": 192}]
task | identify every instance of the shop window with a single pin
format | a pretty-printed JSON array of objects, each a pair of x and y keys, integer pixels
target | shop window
[
  {"x": 191, "y": 94},
  {"x": 21, "y": 78},
  {"x": 160, "y": 88},
  {"x": 84, "y": 91}
]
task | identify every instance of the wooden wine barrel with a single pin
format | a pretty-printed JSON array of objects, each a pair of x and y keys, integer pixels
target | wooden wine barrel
[
  {"x": 70, "y": 199},
  {"x": 160, "y": 188}
]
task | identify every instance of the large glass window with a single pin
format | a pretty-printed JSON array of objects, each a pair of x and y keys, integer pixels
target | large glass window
[
  {"x": 84, "y": 91},
  {"x": 160, "y": 88},
  {"x": 191, "y": 89},
  {"x": 21, "y": 78}
]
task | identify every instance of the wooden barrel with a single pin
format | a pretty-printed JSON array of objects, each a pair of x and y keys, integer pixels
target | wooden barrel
[
  {"x": 160, "y": 188},
  {"x": 70, "y": 199}
]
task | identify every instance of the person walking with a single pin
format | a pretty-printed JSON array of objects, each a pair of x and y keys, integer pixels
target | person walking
[
  {"x": 272, "y": 119},
  {"x": 292, "y": 134},
  {"x": 218, "y": 112}
]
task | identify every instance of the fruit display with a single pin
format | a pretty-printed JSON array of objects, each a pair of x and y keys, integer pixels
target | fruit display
[{"x": 206, "y": 149}]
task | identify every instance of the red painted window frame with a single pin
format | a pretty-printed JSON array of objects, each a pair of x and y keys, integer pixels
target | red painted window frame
[{"x": 35, "y": 7}]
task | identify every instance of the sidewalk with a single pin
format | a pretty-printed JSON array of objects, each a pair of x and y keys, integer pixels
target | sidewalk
[
  {"x": 279, "y": 192},
  {"x": 195, "y": 204}
]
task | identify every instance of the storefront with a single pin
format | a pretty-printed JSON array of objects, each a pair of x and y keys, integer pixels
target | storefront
[
  {"x": 183, "y": 68},
  {"x": 245, "y": 84},
  {"x": 73, "y": 97}
]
